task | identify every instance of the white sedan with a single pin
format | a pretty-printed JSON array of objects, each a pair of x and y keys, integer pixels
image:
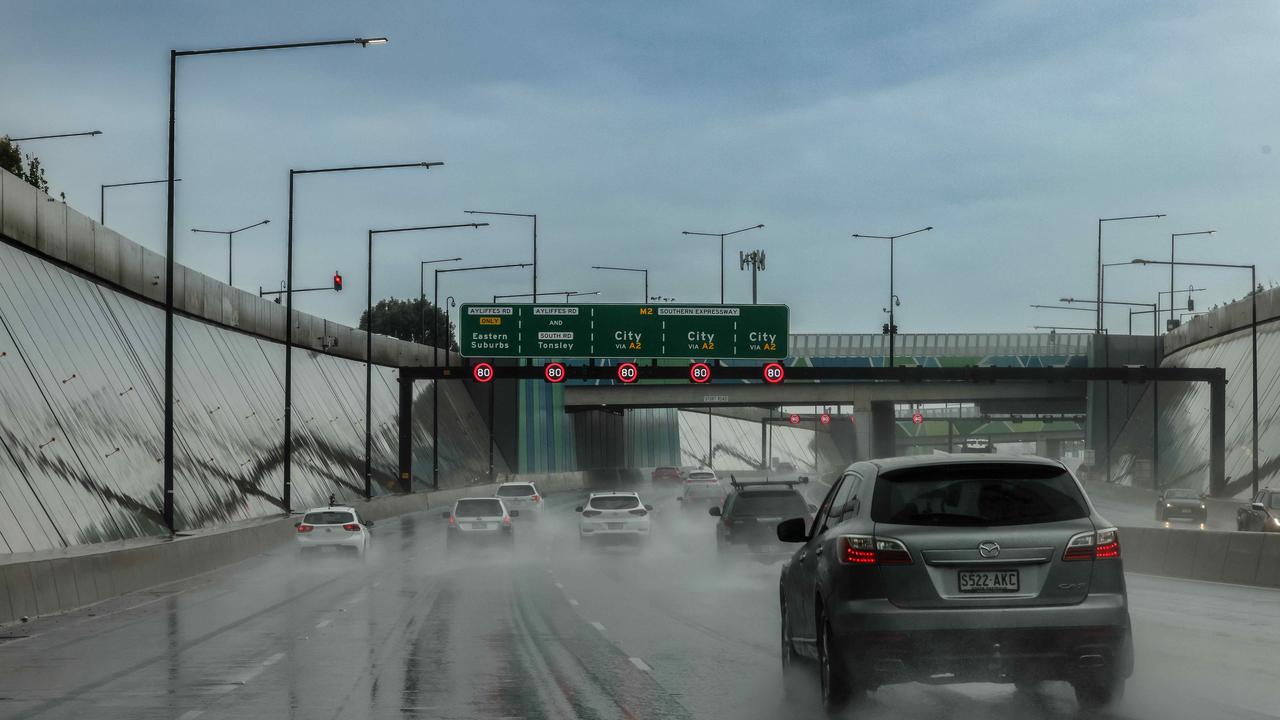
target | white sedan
[
  {"x": 616, "y": 516},
  {"x": 332, "y": 529}
]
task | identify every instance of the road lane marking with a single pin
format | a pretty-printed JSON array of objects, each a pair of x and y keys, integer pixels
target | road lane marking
[
  {"x": 190, "y": 715},
  {"x": 573, "y": 602},
  {"x": 323, "y": 623},
  {"x": 598, "y": 626},
  {"x": 640, "y": 664},
  {"x": 559, "y": 585},
  {"x": 255, "y": 672}
]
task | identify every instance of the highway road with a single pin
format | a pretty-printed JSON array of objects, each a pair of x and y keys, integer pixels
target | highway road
[{"x": 550, "y": 631}]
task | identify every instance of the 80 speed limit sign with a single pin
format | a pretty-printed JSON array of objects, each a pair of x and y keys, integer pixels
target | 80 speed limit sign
[
  {"x": 774, "y": 373},
  {"x": 554, "y": 372},
  {"x": 628, "y": 372},
  {"x": 482, "y": 372},
  {"x": 700, "y": 372}
]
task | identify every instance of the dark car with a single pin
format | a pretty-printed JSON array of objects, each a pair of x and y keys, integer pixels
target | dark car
[
  {"x": 752, "y": 511},
  {"x": 666, "y": 474},
  {"x": 1262, "y": 515},
  {"x": 956, "y": 569},
  {"x": 1180, "y": 503}
]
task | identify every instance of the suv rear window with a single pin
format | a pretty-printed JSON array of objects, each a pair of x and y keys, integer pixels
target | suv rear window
[
  {"x": 515, "y": 491},
  {"x": 615, "y": 502},
  {"x": 702, "y": 476},
  {"x": 478, "y": 508},
  {"x": 770, "y": 503},
  {"x": 977, "y": 495},
  {"x": 328, "y": 518}
]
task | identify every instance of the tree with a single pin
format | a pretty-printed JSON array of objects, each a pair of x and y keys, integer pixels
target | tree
[
  {"x": 404, "y": 319},
  {"x": 11, "y": 160}
]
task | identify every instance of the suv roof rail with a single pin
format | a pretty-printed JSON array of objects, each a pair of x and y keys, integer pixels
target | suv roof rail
[{"x": 736, "y": 483}]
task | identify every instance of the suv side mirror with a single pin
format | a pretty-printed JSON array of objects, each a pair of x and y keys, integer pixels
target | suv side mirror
[
  {"x": 714, "y": 511},
  {"x": 446, "y": 514},
  {"x": 649, "y": 508},
  {"x": 792, "y": 531},
  {"x": 1258, "y": 506},
  {"x": 802, "y": 479},
  {"x": 297, "y": 523},
  {"x": 578, "y": 509},
  {"x": 679, "y": 498},
  {"x": 368, "y": 523}
]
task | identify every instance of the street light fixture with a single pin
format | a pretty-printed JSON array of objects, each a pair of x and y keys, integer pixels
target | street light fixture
[
  {"x": 566, "y": 293},
  {"x": 893, "y": 328},
  {"x": 626, "y": 269},
  {"x": 722, "y": 236},
  {"x": 368, "y": 346},
  {"x": 59, "y": 135},
  {"x": 169, "y": 263},
  {"x": 435, "y": 391},
  {"x": 102, "y": 195},
  {"x": 532, "y": 216},
  {"x": 1253, "y": 325},
  {"x": 230, "y": 237}
]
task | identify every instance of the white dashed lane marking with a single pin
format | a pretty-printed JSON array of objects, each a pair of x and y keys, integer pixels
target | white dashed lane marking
[
  {"x": 640, "y": 664},
  {"x": 323, "y": 623},
  {"x": 598, "y": 626},
  {"x": 573, "y": 602}
]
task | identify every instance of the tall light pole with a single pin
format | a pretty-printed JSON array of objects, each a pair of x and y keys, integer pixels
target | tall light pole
[
  {"x": 435, "y": 390},
  {"x": 368, "y": 345},
  {"x": 1101, "y": 285},
  {"x": 102, "y": 194},
  {"x": 169, "y": 258},
  {"x": 90, "y": 133},
  {"x": 1173, "y": 239},
  {"x": 531, "y": 216},
  {"x": 422, "y": 290},
  {"x": 626, "y": 269},
  {"x": 230, "y": 240},
  {"x": 722, "y": 236},
  {"x": 893, "y": 328},
  {"x": 1253, "y": 299}
]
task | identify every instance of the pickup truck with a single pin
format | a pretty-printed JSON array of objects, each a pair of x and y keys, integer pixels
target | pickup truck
[{"x": 1262, "y": 515}]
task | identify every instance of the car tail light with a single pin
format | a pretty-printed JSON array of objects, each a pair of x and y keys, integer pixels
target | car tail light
[
  {"x": 306, "y": 528},
  {"x": 537, "y": 499},
  {"x": 506, "y": 521},
  {"x": 590, "y": 513},
  {"x": 640, "y": 512},
  {"x": 453, "y": 522},
  {"x": 351, "y": 527},
  {"x": 1102, "y": 545},
  {"x": 868, "y": 550}
]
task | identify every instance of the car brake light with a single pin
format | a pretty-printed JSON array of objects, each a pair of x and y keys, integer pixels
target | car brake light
[
  {"x": 305, "y": 528},
  {"x": 640, "y": 512},
  {"x": 892, "y": 552},
  {"x": 537, "y": 499},
  {"x": 590, "y": 513},
  {"x": 452, "y": 521},
  {"x": 352, "y": 527},
  {"x": 868, "y": 550},
  {"x": 506, "y": 521},
  {"x": 1102, "y": 545}
]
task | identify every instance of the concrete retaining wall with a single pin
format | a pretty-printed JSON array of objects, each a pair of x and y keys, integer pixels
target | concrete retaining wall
[
  {"x": 1241, "y": 558},
  {"x": 58, "y": 581}
]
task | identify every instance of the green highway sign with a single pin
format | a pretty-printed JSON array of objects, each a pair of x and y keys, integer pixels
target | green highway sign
[{"x": 624, "y": 331}]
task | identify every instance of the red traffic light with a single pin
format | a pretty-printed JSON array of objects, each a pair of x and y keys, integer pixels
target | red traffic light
[
  {"x": 700, "y": 373},
  {"x": 794, "y": 419},
  {"x": 337, "y": 281},
  {"x": 554, "y": 372},
  {"x": 628, "y": 372},
  {"x": 774, "y": 373},
  {"x": 482, "y": 372},
  {"x": 824, "y": 418}
]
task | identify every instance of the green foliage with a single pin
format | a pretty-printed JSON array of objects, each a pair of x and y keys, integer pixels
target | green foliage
[
  {"x": 404, "y": 319},
  {"x": 11, "y": 160}
]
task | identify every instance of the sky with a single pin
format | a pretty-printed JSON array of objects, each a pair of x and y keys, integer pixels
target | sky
[{"x": 1009, "y": 127}]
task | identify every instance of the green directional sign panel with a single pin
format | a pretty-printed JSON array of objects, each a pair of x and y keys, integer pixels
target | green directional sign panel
[{"x": 624, "y": 331}]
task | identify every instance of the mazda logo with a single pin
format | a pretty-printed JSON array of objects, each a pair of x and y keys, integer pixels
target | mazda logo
[{"x": 989, "y": 549}]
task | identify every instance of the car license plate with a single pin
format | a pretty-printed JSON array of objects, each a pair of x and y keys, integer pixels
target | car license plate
[
  {"x": 988, "y": 581},
  {"x": 614, "y": 526},
  {"x": 479, "y": 526}
]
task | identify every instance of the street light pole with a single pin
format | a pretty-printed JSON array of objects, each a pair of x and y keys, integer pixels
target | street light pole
[
  {"x": 422, "y": 290},
  {"x": 368, "y": 347},
  {"x": 532, "y": 216},
  {"x": 167, "y": 510},
  {"x": 626, "y": 269},
  {"x": 1253, "y": 298},
  {"x": 1173, "y": 238},
  {"x": 102, "y": 195},
  {"x": 1101, "y": 286},
  {"x": 893, "y": 328},
  {"x": 435, "y": 389},
  {"x": 230, "y": 239},
  {"x": 722, "y": 236}
]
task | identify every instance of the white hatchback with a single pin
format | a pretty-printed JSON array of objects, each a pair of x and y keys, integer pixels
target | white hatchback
[
  {"x": 614, "y": 516},
  {"x": 522, "y": 496},
  {"x": 332, "y": 529}
]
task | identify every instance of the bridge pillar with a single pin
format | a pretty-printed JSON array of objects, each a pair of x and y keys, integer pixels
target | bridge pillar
[
  {"x": 883, "y": 429},
  {"x": 1049, "y": 449},
  {"x": 1217, "y": 438}
]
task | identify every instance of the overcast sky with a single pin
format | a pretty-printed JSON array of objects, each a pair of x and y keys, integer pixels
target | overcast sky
[{"x": 1008, "y": 126}]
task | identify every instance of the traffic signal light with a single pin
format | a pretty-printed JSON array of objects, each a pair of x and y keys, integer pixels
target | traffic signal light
[
  {"x": 885, "y": 329},
  {"x": 337, "y": 281}
]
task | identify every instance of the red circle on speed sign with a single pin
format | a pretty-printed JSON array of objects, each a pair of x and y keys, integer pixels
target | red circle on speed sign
[
  {"x": 794, "y": 419},
  {"x": 917, "y": 418},
  {"x": 700, "y": 372},
  {"x": 824, "y": 418},
  {"x": 774, "y": 373},
  {"x": 554, "y": 372},
  {"x": 482, "y": 372},
  {"x": 628, "y": 372}
]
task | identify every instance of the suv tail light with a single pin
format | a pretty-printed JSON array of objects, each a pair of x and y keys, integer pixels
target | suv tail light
[
  {"x": 453, "y": 522},
  {"x": 351, "y": 527},
  {"x": 869, "y": 550},
  {"x": 1101, "y": 545},
  {"x": 536, "y": 498},
  {"x": 641, "y": 512},
  {"x": 590, "y": 513},
  {"x": 306, "y": 528},
  {"x": 506, "y": 521}
]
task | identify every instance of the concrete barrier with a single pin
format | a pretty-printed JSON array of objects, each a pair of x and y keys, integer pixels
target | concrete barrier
[
  {"x": 1215, "y": 556},
  {"x": 57, "y": 581}
]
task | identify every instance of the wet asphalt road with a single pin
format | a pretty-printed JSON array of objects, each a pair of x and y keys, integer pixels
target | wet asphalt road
[{"x": 553, "y": 632}]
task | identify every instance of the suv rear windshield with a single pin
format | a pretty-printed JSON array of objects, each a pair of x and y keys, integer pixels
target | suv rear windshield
[
  {"x": 515, "y": 491},
  {"x": 770, "y": 503},
  {"x": 478, "y": 508},
  {"x": 978, "y": 494},
  {"x": 328, "y": 518},
  {"x": 615, "y": 502},
  {"x": 702, "y": 476}
]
